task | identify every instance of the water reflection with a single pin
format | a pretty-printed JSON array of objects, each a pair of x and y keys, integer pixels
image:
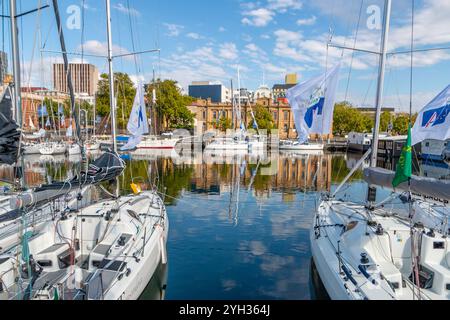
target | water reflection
[{"x": 239, "y": 222}]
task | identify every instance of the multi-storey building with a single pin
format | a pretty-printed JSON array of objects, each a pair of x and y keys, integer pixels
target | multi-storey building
[{"x": 84, "y": 78}]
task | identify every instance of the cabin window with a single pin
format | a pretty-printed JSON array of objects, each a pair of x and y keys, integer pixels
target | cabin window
[
  {"x": 427, "y": 144},
  {"x": 448, "y": 286}
]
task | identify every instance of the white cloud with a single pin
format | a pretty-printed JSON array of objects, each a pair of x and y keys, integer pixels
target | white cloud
[
  {"x": 258, "y": 17},
  {"x": 120, "y": 7},
  {"x": 101, "y": 49},
  {"x": 265, "y": 36},
  {"x": 307, "y": 22},
  {"x": 284, "y": 5},
  {"x": 228, "y": 51},
  {"x": 222, "y": 29},
  {"x": 174, "y": 29},
  {"x": 193, "y": 35}
]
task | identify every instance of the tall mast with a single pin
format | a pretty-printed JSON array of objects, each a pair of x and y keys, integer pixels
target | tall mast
[
  {"x": 239, "y": 96},
  {"x": 233, "y": 121},
  {"x": 380, "y": 90},
  {"x": 68, "y": 72},
  {"x": 16, "y": 64},
  {"x": 111, "y": 76}
]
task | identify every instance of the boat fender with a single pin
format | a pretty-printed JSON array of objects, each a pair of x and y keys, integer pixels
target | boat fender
[{"x": 128, "y": 272}]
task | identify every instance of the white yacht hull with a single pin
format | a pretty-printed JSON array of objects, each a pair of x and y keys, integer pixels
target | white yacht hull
[
  {"x": 302, "y": 147},
  {"x": 155, "y": 144}
]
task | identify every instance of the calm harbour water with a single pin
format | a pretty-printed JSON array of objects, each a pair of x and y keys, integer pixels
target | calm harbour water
[{"x": 239, "y": 225}]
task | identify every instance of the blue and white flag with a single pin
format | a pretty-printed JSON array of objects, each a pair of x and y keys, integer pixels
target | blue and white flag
[
  {"x": 69, "y": 132},
  {"x": 312, "y": 103},
  {"x": 60, "y": 109},
  {"x": 433, "y": 121},
  {"x": 48, "y": 124},
  {"x": 138, "y": 123}
]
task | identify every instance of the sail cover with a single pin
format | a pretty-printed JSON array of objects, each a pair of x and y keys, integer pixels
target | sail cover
[
  {"x": 428, "y": 187},
  {"x": 9, "y": 131},
  {"x": 106, "y": 168}
]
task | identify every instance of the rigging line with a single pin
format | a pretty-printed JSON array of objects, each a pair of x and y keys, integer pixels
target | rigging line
[
  {"x": 412, "y": 63},
  {"x": 353, "y": 52},
  {"x": 138, "y": 71}
]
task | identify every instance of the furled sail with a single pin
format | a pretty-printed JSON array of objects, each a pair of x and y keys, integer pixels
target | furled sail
[
  {"x": 428, "y": 187},
  {"x": 106, "y": 168},
  {"x": 9, "y": 131}
]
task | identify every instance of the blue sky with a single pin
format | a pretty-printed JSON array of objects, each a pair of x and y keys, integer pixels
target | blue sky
[{"x": 207, "y": 40}]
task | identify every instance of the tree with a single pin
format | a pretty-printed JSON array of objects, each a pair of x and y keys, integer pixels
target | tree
[
  {"x": 124, "y": 91},
  {"x": 401, "y": 124},
  {"x": 385, "y": 121},
  {"x": 347, "y": 119},
  {"x": 171, "y": 105},
  {"x": 263, "y": 117}
]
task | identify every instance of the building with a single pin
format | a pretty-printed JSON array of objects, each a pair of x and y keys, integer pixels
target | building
[
  {"x": 279, "y": 92},
  {"x": 84, "y": 78},
  {"x": 216, "y": 92},
  {"x": 208, "y": 114},
  {"x": 370, "y": 112},
  {"x": 3, "y": 66},
  {"x": 291, "y": 79},
  {"x": 262, "y": 92}
]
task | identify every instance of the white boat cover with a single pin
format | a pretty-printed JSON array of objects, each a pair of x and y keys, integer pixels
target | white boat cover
[{"x": 428, "y": 187}]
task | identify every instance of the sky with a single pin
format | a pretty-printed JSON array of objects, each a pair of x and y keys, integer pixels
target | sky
[{"x": 203, "y": 40}]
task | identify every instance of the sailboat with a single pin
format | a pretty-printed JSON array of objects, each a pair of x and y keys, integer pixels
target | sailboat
[
  {"x": 105, "y": 251},
  {"x": 373, "y": 252},
  {"x": 240, "y": 141},
  {"x": 312, "y": 103}
]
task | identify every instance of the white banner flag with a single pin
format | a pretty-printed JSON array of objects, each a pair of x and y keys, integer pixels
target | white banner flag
[
  {"x": 138, "y": 123},
  {"x": 312, "y": 103},
  {"x": 433, "y": 121}
]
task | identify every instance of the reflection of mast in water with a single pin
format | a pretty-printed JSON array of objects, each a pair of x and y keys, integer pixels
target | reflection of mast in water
[{"x": 236, "y": 189}]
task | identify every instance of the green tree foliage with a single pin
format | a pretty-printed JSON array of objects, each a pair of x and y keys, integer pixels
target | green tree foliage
[
  {"x": 224, "y": 124},
  {"x": 263, "y": 117},
  {"x": 125, "y": 93},
  {"x": 385, "y": 121},
  {"x": 401, "y": 124},
  {"x": 348, "y": 119},
  {"x": 172, "y": 105}
]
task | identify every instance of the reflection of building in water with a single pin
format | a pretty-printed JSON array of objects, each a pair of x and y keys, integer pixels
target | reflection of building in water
[{"x": 306, "y": 173}]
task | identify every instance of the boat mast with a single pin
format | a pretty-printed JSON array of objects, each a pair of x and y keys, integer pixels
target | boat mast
[
  {"x": 68, "y": 72},
  {"x": 239, "y": 97},
  {"x": 233, "y": 115},
  {"x": 111, "y": 76},
  {"x": 380, "y": 91},
  {"x": 16, "y": 64}
]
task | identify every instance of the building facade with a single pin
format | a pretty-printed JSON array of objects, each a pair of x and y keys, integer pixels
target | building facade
[
  {"x": 208, "y": 115},
  {"x": 216, "y": 92},
  {"x": 84, "y": 78}
]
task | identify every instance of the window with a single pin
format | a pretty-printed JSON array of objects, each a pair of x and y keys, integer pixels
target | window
[
  {"x": 275, "y": 115},
  {"x": 204, "y": 115},
  {"x": 215, "y": 115},
  {"x": 286, "y": 128},
  {"x": 286, "y": 116}
]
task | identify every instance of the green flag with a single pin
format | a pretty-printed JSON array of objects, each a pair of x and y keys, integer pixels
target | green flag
[{"x": 404, "y": 166}]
